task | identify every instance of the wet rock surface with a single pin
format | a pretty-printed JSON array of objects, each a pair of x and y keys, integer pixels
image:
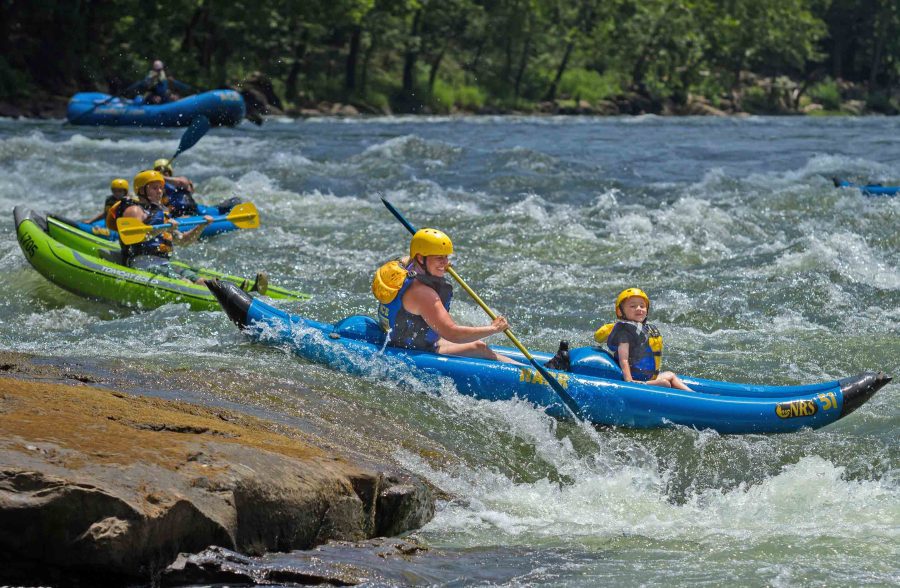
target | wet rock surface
[
  {"x": 99, "y": 487},
  {"x": 329, "y": 564}
]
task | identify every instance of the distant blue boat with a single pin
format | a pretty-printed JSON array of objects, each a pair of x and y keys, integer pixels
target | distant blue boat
[
  {"x": 221, "y": 107},
  {"x": 868, "y": 189},
  {"x": 595, "y": 382}
]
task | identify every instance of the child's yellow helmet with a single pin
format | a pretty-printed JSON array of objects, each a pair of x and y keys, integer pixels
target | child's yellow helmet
[
  {"x": 119, "y": 184},
  {"x": 628, "y": 293},
  {"x": 430, "y": 242}
]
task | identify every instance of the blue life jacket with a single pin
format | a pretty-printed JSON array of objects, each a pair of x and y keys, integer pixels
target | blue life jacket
[
  {"x": 160, "y": 246},
  {"x": 647, "y": 358},
  {"x": 180, "y": 201},
  {"x": 408, "y": 330}
]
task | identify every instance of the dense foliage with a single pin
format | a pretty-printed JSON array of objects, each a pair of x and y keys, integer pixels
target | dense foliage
[{"x": 411, "y": 55}]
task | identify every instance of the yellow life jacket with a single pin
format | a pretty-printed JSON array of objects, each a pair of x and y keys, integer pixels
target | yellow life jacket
[
  {"x": 654, "y": 342},
  {"x": 388, "y": 281}
]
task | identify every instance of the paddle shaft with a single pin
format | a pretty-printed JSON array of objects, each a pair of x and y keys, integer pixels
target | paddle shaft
[
  {"x": 568, "y": 401},
  {"x": 489, "y": 312},
  {"x": 244, "y": 215}
]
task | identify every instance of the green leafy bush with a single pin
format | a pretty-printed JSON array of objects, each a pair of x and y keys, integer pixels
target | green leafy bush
[
  {"x": 758, "y": 100},
  {"x": 588, "y": 85},
  {"x": 827, "y": 94},
  {"x": 445, "y": 96}
]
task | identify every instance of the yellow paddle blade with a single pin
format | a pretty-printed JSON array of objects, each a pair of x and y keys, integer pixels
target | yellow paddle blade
[
  {"x": 131, "y": 230},
  {"x": 244, "y": 216}
]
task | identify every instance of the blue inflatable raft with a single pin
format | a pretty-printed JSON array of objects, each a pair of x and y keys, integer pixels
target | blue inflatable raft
[
  {"x": 595, "y": 381},
  {"x": 221, "y": 107},
  {"x": 218, "y": 227},
  {"x": 868, "y": 189}
]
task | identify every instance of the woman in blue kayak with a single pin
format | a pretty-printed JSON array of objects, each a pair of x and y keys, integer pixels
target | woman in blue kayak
[
  {"x": 635, "y": 343},
  {"x": 415, "y": 295}
]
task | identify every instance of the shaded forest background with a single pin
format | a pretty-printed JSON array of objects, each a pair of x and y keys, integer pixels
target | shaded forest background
[{"x": 605, "y": 56}]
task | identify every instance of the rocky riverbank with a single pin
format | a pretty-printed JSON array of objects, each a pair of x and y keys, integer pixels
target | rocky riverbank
[
  {"x": 765, "y": 96},
  {"x": 100, "y": 487}
]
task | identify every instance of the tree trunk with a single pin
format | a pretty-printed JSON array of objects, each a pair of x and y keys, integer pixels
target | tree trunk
[
  {"x": 523, "y": 64},
  {"x": 432, "y": 75},
  {"x": 551, "y": 91},
  {"x": 410, "y": 57},
  {"x": 476, "y": 60},
  {"x": 367, "y": 59},
  {"x": 290, "y": 85},
  {"x": 880, "y": 33},
  {"x": 352, "y": 60}
]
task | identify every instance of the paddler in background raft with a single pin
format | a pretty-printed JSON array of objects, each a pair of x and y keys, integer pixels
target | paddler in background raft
[
  {"x": 158, "y": 85},
  {"x": 414, "y": 302},
  {"x": 636, "y": 344},
  {"x": 119, "y": 192}
]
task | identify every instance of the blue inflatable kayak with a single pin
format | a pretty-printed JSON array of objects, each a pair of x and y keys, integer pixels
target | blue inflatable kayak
[
  {"x": 595, "y": 381},
  {"x": 868, "y": 189},
  {"x": 221, "y": 107},
  {"x": 99, "y": 228}
]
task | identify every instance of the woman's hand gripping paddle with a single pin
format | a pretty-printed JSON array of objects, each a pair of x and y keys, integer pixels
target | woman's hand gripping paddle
[
  {"x": 131, "y": 230},
  {"x": 568, "y": 401}
]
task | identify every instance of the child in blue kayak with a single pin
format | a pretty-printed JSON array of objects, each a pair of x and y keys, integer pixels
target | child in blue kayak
[{"x": 636, "y": 344}]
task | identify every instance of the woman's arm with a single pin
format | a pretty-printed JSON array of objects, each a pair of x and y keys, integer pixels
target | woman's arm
[
  {"x": 189, "y": 237},
  {"x": 426, "y": 303}
]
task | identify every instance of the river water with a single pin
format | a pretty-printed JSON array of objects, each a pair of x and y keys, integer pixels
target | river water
[{"x": 759, "y": 270}]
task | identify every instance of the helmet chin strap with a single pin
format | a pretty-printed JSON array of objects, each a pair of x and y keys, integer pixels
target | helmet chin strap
[{"x": 424, "y": 264}]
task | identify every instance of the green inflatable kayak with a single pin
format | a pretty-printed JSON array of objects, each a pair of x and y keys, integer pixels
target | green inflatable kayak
[{"x": 92, "y": 267}]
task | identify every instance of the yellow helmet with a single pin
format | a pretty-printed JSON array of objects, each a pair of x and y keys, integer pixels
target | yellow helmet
[
  {"x": 164, "y": 166},
  {"x": 146, "y": 177},
  {"x": 430, "y": 242},
  {"x": 628, "y": 293},
  {"x": 119, "y": 184}
]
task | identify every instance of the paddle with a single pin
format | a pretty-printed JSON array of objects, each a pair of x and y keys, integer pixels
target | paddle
[
  {"x": 568, "y": 401},
  {"x": 132, "y": 231},
  {"x": 199, "y": 126}
]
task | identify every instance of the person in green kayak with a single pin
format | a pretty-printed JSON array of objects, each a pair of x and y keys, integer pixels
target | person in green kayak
[
  {"x": 414, "y": 302},
  {"x": 154, "y": 252},
  {"x": 636, "y": 344},
  {"x": 119, "y": 192}
]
